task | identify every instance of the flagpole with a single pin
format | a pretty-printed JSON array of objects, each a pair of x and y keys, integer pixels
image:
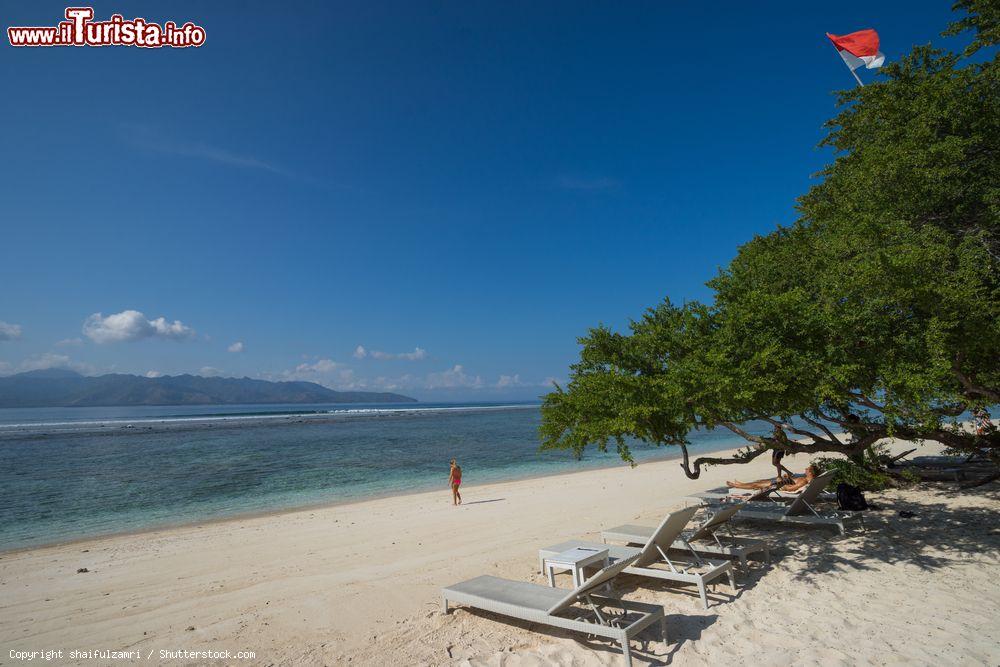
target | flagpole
[
  {"x": 856, "y": 77},
  {"x": 849, "y": 69}
]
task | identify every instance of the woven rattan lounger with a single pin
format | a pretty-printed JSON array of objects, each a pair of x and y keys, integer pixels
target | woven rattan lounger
[
  {"x": 653, "y": 560},
  {"x": 771, "y": 493},
  {"x": 580, "y": 610},
  {"x": 800, "y": 511},
  {"x": 703, "y": 540}
]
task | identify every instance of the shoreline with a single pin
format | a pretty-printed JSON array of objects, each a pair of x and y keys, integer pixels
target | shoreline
[
  {"x": 360, "y": 583},
  {"x": 323, "y": 505},
  {"x": 331, "y": 503},
  {"x": 113, "y": 426}
]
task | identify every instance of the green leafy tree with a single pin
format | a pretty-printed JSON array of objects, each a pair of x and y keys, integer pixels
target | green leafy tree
[{"x": 876, "y": 314}]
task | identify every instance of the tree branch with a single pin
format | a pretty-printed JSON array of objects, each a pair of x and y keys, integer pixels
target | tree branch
[
  {"x": 743, "y": 434},
  {"x": 844, "y": 420},
  {"x": 820, "y": 425},
  {"x": 970, "y": 386},
  {"x": 746, "y": 457},
  {"x": 954, "y": 439},
  {"x": 798, "y": 431},
  {"x": 693, "y": 468},
  {"x": 865, "y": 401}
]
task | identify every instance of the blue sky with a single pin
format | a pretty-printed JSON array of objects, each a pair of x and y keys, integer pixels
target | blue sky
[{"x": 460, "y": 188}]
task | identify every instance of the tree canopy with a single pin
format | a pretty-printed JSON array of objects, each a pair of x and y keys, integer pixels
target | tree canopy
[{"x": 877, "y": 313}]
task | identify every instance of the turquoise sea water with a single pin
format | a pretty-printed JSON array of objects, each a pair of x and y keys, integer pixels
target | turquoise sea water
[{"x": 74, "y": 472}]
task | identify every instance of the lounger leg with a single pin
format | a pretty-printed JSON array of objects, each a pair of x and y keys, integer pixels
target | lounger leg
[
  {"x": 732, "y": 579},
  {"x": 663, "y": 632},
  {"x": 444, "y": 604},
  {"x": 626, "y": 651},
  {"x": 703, "y": 593},
  {"x": 743, "y": 563},
  {"x": 767, "y": 555}
]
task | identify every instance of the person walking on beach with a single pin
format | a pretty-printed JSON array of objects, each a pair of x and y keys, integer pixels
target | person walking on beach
[{"x": 454, "y": 481}]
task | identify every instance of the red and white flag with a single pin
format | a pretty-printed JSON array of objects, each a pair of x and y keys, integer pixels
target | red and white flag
[{"x": 859, "y": 49}]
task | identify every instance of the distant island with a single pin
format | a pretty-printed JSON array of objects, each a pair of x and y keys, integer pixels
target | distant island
[{"x": 56, "y": 388}]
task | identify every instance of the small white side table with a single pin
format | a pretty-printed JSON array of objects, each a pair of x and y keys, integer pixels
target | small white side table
[{"x": 574, "y": 560}]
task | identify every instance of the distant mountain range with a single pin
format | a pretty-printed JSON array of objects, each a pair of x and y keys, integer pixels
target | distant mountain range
[{"x": 64, "y": 388}]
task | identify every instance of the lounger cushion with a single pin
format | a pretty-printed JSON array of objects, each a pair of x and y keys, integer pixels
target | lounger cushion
[
  {"x": 507, "y": 591},
  {"x": 632, "y": 531}
]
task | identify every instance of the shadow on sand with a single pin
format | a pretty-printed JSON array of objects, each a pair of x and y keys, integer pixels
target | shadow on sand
[
  {"x": 647, "y": 647},
  {"x": 939, "y": 533}
]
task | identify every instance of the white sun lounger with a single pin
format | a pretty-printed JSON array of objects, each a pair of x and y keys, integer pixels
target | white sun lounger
[
  {"x": 800, "y": 511},
  {"x": 701, "y": 539},
  {"x": 687, "y": 569},
  {"x": 786, "y": 496},
  {"x": 580, "y": 610},
  {"x": 772, "y": 493}
]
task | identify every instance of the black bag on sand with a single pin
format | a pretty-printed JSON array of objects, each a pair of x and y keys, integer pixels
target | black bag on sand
[{"x": 850, "y": 498}]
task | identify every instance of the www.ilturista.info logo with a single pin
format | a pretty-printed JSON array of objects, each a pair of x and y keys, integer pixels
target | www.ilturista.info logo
[{"x": 79, "y": 29}]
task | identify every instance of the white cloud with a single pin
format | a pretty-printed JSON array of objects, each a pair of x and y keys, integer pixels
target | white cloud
[
  {"x": 346, "y": 380},
  {"x": 43, "y": 361},
  {"x": 339, "y": 376},
  {"x": 5, "y": 367},
  {"x": 453, "y": 377},
  {"x": 9, "y": 331},
  {"x": 319, "y": 366},
  {"x": 509, "y": 381},
  {"x": 51, "y": 360},
  {"x": 70, "y": 342},
  {"x": 336, "y": 375},
  {"x": 551, "y": 382},
  {"x": 236, "y": 347},
  {"x": 318, "y": 370},
  {"x": 417, "y": 354},
  {"x": 130, "y": 325},
  {"x": 153, "y": 374},
  {"x": 210, "y": 371},
  {"x": 173, "y": 329}
]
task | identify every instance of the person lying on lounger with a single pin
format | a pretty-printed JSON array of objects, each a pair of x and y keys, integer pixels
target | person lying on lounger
[{"x": 791, "y": 484}]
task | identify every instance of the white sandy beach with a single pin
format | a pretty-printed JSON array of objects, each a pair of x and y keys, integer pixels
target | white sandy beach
[{"x": 359, "y": 583}]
